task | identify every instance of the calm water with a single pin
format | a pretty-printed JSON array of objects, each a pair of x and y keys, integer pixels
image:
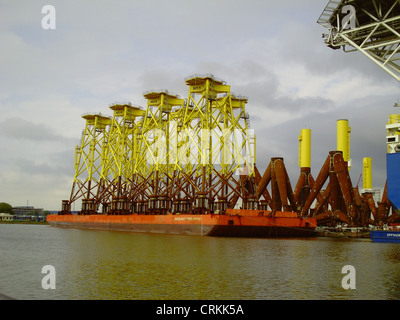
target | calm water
[{"x": 116, "y": 265}]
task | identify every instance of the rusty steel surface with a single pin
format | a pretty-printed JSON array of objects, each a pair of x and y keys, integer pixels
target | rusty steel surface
[{"x": 330, "y": 198}]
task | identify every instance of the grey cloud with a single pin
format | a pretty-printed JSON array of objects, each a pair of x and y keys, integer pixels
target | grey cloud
[
  {"x": 304, "y": 105},
  {"x": 110, "y": 52},
  {"x": 367, "y": 122},
  {"x": 53, "y": 165},
  {"x": 309, "y": 49},
  {"x": 19, "y": 128}
]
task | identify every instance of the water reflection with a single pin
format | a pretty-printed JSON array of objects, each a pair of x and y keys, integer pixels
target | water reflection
[{"x": 117, "y": 265}]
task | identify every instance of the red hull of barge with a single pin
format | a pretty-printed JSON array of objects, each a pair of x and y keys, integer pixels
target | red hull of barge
[{"x": 236, "y": 223}]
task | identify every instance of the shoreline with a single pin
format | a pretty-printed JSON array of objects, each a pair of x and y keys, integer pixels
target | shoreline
[
  {"x": 318, "y": 233},
  {"x": 24, "y": 222}
]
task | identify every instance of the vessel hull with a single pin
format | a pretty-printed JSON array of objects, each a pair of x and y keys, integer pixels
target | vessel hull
[
  {"x": 393, "y": 180},
  {"x": 204, "y": 225},
  {"x": 385, "y": 236}
]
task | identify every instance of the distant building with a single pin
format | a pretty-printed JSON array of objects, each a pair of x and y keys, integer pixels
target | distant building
[
  {"x": 6, "y": 217},
  {"x": 27, "y": 211}
]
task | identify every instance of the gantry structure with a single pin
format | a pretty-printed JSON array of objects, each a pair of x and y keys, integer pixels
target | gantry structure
[{"x": 371, "y": 27}]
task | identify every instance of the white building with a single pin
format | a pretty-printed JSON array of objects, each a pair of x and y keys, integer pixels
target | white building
[{"x": 6, "y": 217}]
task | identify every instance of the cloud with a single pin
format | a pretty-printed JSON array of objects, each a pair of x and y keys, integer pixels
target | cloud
[
  {"x": 22, "y": 129},
  {"x": 36, "y": 163},
  {"x": 104, "y": 52}
]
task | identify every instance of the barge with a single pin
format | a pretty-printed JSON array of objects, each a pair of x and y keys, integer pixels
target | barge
[{"x": 235, "y": 223}]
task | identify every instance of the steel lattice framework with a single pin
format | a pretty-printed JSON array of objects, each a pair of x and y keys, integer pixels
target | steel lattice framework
[
  {"x": 119, "y": 155},
  {"x": 88, "y": 162},
  {"x": 371, "y": 27},
  {"x": 178, "y": 155}
]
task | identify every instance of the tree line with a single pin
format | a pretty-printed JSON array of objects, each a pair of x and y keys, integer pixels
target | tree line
[{"x": 7, "y": 208}]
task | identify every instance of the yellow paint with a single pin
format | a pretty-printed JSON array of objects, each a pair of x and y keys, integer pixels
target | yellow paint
[
  {"x": 343, "y": 139},
  {"x": 367, "y": 173},
  {"x": 215, "y": 126},
  {"x": 137, "y": 148},
  {"x": 305, "y": 148},
  {"x": 394, "y": 118},
  {"x": 89, "y": 155}
]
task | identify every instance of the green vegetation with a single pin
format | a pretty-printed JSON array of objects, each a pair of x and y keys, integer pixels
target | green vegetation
[{"x": 6, "y": 208}]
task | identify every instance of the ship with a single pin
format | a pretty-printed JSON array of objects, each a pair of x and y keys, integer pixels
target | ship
[
  {"x": 390, "y": 232},
  {"x": 235, "y": 223},
  {"x": 188, "y": 166},
  {"x": 181, "y": 166},
  {"x": 387, "y": 234}
]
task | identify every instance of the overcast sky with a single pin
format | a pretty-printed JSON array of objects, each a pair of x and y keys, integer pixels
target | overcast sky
[{"x": 103, "y": 52}]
